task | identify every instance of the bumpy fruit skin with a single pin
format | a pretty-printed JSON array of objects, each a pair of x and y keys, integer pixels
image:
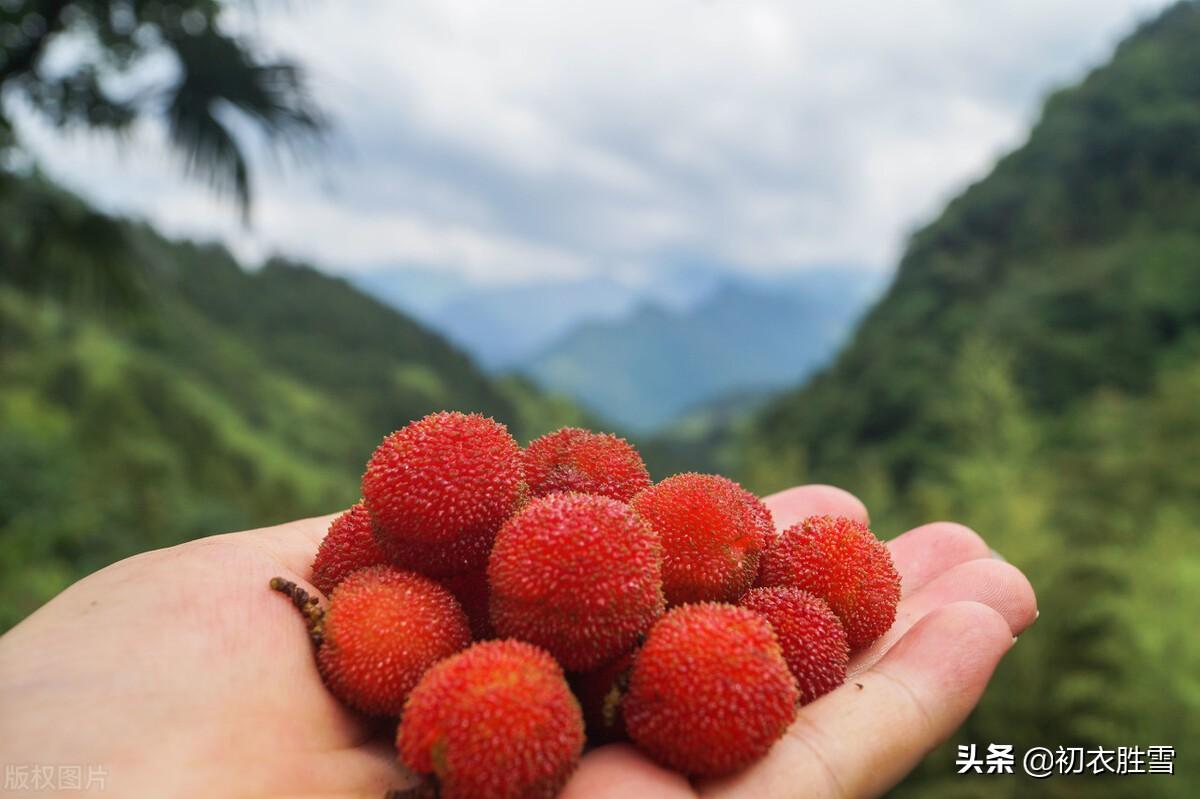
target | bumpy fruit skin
[
  {"x": 713, "y": 532},
  {"x": 472, "y": 592},
  {"x": 436, "y": 560},
  {"x": 572, "y": 459},
  {"x": 710, "y": 691},
  {"x": 348, "y": 546},
  {"x": 811, "y": 637},
  {"x": 578, "y": 575},
  {"x": 496, "y": 720},
  {"x": 439, "y": 489},
  {"x": 842, "y": 562},
  {"x": 383, "y": 628}
]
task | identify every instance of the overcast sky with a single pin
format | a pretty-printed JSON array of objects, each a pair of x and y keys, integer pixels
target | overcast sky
[{"x": 514, "y": 140}]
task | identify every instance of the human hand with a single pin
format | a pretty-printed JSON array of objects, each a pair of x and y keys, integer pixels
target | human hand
[
  {"x": 180, "y": 674},
  {"x": 961, "y": 610}
]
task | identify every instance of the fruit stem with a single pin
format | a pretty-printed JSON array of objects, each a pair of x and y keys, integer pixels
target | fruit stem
[{"x": 308, "y": 605}]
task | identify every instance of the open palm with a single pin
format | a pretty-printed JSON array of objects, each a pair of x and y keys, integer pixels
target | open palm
[{"x": 180, "y": 674}]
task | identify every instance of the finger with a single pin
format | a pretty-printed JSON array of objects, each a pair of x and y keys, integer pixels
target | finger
[
  {"x": 927, "y": 551},
  {"x": 311, "y": 530},
  {"x": 864, "y": 737},
  {"x": 619, "y": 771},
  {"x": 988, "y": 581},
  {"x": 796, "y": 504},
  {"x": 372, "y": 770},
  {"x": 294, "y": 544}
]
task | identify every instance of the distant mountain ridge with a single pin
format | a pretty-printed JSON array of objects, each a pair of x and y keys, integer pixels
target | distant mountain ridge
[
  {"x": 504, "y": 325},
  {"x": 748, "y": 336}
]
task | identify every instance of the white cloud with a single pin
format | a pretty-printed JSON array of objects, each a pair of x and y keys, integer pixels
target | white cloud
[{"x": 511, "y": 140}]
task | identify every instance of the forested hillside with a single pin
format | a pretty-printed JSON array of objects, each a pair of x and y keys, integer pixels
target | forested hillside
[
  {"x": 152, "y": 391},
  {"x": 1034, "y": 371}
]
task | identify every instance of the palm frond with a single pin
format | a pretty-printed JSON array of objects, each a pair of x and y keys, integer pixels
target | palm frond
[
  {"x": 209, "y": 148},
  {"x": 218, "y": 72}
]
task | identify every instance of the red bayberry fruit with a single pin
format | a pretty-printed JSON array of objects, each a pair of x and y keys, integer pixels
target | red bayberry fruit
[
  {"x": 496, "y": 720},
  {"x": 382, "y": 629},
  {"x": 471, "y": 591},
  {"x": 439, "y": 489},
  {"x": 578, "y": 460},
  {"x": 348, "y": 546},
  {"x": 710, "y": 690},
  {"x": 713, "y": 532},
  {"x": 577, "y": 574},
  {"x": 842, "y": 562},
  {"x": 811, "y": 637}
]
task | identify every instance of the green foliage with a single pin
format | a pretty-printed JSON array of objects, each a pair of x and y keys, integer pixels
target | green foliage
[
  {"x": 223, "y": 399},
  {"x": 538, "y": 412},
  {"x": 53, "y": 244},
  {"x": 1034, "y": 372}
]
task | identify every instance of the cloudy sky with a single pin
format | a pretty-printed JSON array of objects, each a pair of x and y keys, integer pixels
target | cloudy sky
[{"x": 521, "y": 140}]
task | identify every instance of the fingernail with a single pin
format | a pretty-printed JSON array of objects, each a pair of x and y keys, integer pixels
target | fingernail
[
  {"x": 997, "y": 555},
  {"x": 1037, "y": 614},
  {"x": 1014, "y": 639}
]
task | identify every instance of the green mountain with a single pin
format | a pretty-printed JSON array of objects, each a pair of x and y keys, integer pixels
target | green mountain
[
  {"x": 657, "y": 365},
  {"x": 153, "y": 391},
  {"x": 1034, "y": 371}
]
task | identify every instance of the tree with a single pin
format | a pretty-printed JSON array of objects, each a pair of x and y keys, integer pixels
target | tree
[{"x": 217, "y": 76}]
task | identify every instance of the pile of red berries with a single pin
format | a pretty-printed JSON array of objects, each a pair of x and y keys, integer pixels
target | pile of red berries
[{"x": 500, "y": 601}]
